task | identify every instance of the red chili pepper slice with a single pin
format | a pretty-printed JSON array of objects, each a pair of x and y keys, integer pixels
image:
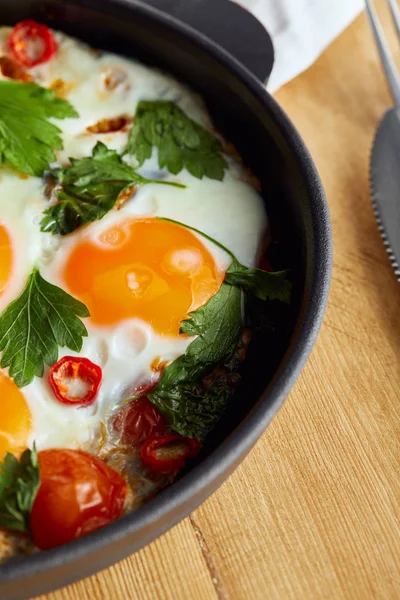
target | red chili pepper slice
[
  {"x": 69, "y": 369},
  {"x": 32, "y": 43},
  {"x": 168, "y": 453}
]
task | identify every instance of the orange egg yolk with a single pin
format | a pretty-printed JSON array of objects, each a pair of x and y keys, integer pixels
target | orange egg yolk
[
  {"x": 153, "y": 270},
  {"x": 15, "y": 418},
  {"x": 6, "y": 258}
]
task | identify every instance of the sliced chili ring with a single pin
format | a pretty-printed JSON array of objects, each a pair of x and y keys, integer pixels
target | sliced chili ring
[
  {"x": 32, "y": 43},
  {"x": 168, "y": 453},
  {"x": 68, "y": 372}
]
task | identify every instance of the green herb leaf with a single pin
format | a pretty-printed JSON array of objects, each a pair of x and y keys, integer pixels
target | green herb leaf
[
  {"x": 189, "y": 409},
  {"x": 218, "y": 324},
  {"x": 193, "y": 410},
  {"x": 89, "y": 189},
  {"x": 35, "y": 324},
  {"x": 181, "y": 142},
  {"x": 183, "y": 396},
  {"x": 27, "y": 138},
  {"x": 19, "y": 482},
  {"x": 259, "y": 283}
]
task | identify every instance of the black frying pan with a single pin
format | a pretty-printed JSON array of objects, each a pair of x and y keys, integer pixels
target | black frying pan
[{"x": 294, "y": 197}]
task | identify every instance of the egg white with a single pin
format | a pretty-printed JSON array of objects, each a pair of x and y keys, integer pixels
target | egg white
[{"x": 231, "y": 211}]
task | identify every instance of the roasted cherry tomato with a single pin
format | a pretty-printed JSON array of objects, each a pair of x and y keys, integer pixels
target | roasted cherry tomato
[
  {"x": 75, "y": 372},
  {"x": 32, "y": 43},
  {"x": 78, "y": 493},
  {"x": 168, "y": 453},
  {"x": 137, "y": 421}
]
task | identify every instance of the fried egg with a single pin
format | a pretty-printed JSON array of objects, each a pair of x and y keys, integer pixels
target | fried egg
[
  {"x": 7, "y": 258},
  {"x": 15, "y": 417},
  {"x": 138, "y": 275}
]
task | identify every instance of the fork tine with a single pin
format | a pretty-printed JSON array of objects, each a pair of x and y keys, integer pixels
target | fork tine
[
  {"x": 394, "y": 9},
  {"x": 384, "y": 52}
]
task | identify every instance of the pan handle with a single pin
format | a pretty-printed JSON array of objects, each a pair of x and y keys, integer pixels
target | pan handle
[{"x": 230, "y": 26}]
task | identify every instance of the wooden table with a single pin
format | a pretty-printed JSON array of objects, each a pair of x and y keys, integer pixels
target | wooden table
[{"x": 313, "y": 512}]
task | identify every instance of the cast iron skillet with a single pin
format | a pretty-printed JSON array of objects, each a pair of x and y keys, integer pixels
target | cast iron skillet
[{"x": 294, "y": 197}]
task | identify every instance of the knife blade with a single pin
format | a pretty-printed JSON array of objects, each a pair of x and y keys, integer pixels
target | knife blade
[{"x": 385, "y": 183}]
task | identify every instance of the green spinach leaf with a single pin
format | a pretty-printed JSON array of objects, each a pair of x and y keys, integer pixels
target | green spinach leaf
[
  {"x": 190, "y": 393},
  {"x": 262, "y": 284},
  {"x": 180, "y": 397}
]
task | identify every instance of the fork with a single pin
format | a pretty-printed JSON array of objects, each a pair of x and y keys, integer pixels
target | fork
[{"x": 383, "y": 47}]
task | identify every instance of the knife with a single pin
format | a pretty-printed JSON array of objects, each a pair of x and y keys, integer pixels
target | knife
[
  {"x": 385, "y": 155},
  {"x": 385, "y": 184}
]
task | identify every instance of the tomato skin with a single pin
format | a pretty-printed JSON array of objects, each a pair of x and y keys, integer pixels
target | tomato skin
[
  {"x": 33, "y": 33},
  {"x": 78, "y": 494},
  {"x": 137, "y": 421},
  {"x": 75, "y": 367}
]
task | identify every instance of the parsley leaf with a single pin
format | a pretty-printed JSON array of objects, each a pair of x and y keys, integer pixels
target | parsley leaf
[
  {"x": 89, "y": 189},
  {"x": 262, "y": 284},
  {"x": 189, "y": 403},
  {"x": 179, "y": 396},
  {"x": 27, "y": 138},
  {"x": 19, "y": 482},
  {"x": 181, "y": 142},
  {"x": 32, "y": 327}
]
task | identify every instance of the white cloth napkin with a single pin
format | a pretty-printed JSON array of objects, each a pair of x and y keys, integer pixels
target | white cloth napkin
[{"x": 301, "y": 30}]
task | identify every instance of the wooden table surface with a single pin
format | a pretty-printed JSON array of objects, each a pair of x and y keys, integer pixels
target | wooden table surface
[{"x": 313, "y": 512}]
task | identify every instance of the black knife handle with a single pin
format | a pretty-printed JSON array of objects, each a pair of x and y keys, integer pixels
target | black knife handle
[{"x": 230, "y": 26}]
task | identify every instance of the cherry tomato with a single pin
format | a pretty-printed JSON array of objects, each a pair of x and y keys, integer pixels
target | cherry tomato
[
  {"x": 168, "y": 453},
  {"x": 78, "y": 493},
  {"x": 137, "y": 421},
  {"x": 71, "y": 370},
  {"x": 32, "y": 43}
]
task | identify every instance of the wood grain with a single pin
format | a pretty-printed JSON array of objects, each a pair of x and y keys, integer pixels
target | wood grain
[{"x": 313, "y": 512}]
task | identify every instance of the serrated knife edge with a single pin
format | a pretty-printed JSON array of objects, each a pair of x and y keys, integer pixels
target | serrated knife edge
[
  {"x": 386, "y": 242},
  {"x": 376, "y": 208}
]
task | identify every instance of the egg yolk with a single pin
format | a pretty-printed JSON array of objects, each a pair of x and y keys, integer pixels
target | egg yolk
[
  {"x": 5, "y": 258},
  {"x": 15, "y": 418},
  {"x": 153, "y": 270}
]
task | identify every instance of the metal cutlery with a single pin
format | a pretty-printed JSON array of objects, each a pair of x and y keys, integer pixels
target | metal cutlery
[{"x": 385, "y": 155}]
